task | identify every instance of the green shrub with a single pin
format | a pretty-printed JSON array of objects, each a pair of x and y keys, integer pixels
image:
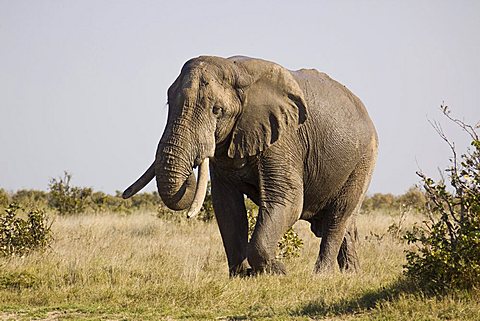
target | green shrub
[
  {"x": 101, "y": 202},
  {"x": 166, "y": 214},
  {"x": 19, "y": 236},
  {"x": 290, "y": 244},
  {"x": 31, "y": 198},
  {"x": 4, "y": 198},
  {"x": 448, "y": 254},
  {"x": 67, "y": 199},
  {"x": 379, "y": 201},
  {"x": 414, "y": 198},
  {"x": 145, "y": 201},
  {"x": 17, "y": 280}
]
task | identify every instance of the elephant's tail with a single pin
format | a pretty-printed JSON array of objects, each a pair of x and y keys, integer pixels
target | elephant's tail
[{"x": 140, "y": 183}]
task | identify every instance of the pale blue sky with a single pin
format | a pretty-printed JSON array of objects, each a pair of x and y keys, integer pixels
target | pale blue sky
[{"x": 83, "y": 83}]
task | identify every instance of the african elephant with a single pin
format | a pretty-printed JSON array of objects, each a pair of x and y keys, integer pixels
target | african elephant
[{"x": 297, "y": 143}]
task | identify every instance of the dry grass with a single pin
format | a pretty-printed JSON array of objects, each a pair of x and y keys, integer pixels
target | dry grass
[{"x": 140, "y": 267}]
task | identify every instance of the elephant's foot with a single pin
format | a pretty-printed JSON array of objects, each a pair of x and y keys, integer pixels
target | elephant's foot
[
  {"x": 262, "y": 262},
  {"x": 325, "y": 265},
  {"x": 270, "y": 267},
  {"x": 276, "y": 267},
  {"x": 350, "y": 266},
  {"x": 241, "y": 270},
  {"x": 348, "y": 260},
  {"x": 347, "y": 256}
]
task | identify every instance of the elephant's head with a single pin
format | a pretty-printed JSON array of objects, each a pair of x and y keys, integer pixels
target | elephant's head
[{"x": 241, "y": 104}]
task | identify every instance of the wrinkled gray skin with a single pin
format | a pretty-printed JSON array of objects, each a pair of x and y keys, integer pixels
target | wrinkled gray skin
[{"x": 297, "y": 143}]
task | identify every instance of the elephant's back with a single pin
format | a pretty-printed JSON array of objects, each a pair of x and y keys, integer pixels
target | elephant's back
[{"x": 332, "y": 107}]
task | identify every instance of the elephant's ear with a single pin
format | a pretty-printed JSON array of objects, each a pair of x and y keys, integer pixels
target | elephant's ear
[{"x": 273, "y": 104}]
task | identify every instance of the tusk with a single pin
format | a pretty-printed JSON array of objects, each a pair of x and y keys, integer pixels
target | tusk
[
  {"x": 141, "y": 182},
  {"x": 201, "y": 190}
]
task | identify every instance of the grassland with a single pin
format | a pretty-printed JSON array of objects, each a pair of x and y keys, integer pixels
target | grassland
[{"x": 141, "y": 267}]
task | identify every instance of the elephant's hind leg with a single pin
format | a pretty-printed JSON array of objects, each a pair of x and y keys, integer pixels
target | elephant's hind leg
[
  {"x": 339, "y": 231},
  {"x": 347, "y": 256}
]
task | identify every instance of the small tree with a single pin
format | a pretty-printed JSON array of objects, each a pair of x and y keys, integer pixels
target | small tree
[
  {"x": 414, "y": 198},
  {"x": 448, "y": 254},
  {"x": 20, "y": 236},
  {"x": 67, "y": 199},
  {"x": 379, "y": 201}
]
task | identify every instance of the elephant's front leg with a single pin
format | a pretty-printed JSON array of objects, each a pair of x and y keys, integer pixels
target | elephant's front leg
[
  {"x": 281, "y": 205},
  {"x": 231, "y": 216}
]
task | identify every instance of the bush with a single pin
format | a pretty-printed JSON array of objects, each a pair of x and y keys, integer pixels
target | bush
[
  {"x": 379, "y": 201},
  {"x": 17, "y": 280},
  {"x": 31, "y": 198},
  {"x": 290, "y": 244},
  {"x": 145, "y": 201},
  {"x": 448, "y": 254},
  {"x": 4, "y": 198},
  {"x": 67, "y": 199},
  {"x": 101, "y": 202},
  {"x": 19, "y": 236},
  {"x": 413, "y": 198}
]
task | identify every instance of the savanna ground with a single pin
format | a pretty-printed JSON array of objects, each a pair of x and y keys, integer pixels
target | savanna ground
[{"x": 141, "y": 267}]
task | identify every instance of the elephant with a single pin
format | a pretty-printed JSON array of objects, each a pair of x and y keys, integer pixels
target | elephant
[{"x": 297, "y": 143}]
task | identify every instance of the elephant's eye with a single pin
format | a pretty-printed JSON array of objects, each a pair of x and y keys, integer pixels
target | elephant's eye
[{"x": 217, "y": 111}]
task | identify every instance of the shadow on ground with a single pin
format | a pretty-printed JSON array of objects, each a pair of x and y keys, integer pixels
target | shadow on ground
[{"x": 367, "y": 301}]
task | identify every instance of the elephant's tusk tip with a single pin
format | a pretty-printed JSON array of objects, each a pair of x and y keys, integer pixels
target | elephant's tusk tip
[{"x": 191, "y": 214}]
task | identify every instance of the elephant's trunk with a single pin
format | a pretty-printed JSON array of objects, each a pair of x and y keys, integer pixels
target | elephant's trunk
[
  {"x": 188, "y": 194},
  {"x": 179, "y": 150},
  {"x": 176, "y": 199},
  {"x": 175, "y": 178}
]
